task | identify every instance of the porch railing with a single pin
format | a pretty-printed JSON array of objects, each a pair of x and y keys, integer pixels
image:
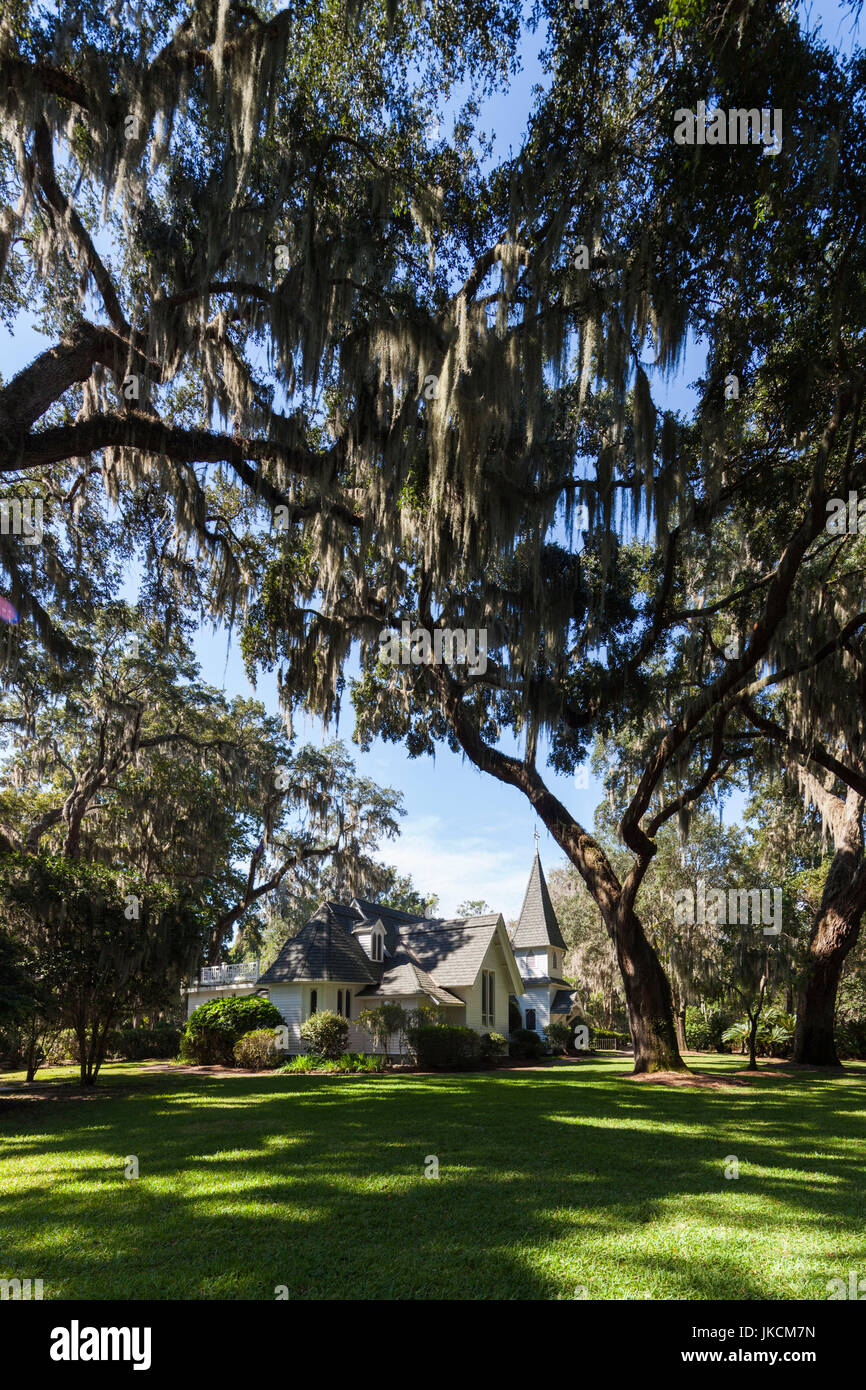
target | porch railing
[{"x": 244, "y": 972}]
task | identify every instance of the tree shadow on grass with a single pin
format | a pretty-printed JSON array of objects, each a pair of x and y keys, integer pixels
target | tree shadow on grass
[{"x": 319, "y": 1186}]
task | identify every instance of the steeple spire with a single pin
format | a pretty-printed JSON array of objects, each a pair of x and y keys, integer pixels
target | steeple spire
[{"x": 537, "y": 924}]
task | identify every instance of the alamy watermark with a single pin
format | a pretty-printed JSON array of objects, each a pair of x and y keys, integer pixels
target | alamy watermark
[
  {"x": 846, "y": 518},
  {"x": 739, "y": 126},
  {"x": 16, "y": 1289},
  {"x": 17, "y": 518},
  {"x": 736, "y": 907},
  {"x": 855, "y": 1287},
  {"x": 418, "y": 647}
]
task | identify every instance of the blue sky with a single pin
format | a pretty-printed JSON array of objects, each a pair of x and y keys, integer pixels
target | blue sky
[{"x": 464, "y": 834}]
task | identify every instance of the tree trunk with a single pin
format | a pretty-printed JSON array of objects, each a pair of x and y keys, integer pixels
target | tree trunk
[
  {"x": 647, "y": 990},
  {"x": 834, "y": 933},
  {"x": 680, "y": 1024},
  {"x": 648, "y": 999},
  {"x": 831, "y": 940},
  {"x": 753, "y": 1025},
  {"x": 32, "y": 1052}
]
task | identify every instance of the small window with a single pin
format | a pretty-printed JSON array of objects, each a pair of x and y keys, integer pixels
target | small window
[
  {"x": 314, "y": 1000},
  {"x": 348, "y": 1004},
  {"x": 530, "y": 1019},
  {"x": 339, "y": 1001},
  {"x": 488, "y": 998},
  {"x": 377, "y": 946}
]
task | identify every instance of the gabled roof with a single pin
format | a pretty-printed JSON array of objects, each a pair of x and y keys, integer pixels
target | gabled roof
[
  {"x": 537, "y": 924},
  {"x": 451, "y": 950},
  {"x": 391, "y": 918},
  {"x": 563, "y": 1001},
  {"x": 422, "y": 955},
  {"x": 405, "y": 977},
  {"x": 323, "y": 950}
]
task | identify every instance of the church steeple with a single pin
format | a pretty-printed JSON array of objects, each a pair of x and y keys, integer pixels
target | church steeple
[{"x": 537, "y": 924}]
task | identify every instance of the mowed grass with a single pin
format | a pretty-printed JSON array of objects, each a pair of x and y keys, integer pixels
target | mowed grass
[{"x": 569, "y": 1178}]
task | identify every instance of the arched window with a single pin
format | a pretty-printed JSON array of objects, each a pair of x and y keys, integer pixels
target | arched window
[
  {"x": 530, "y": 1019},
  {"x": 339, "y": 1001},
  {"x": 314, "y": 1000},
  {"x": 348, "y": 1004},
  {"x": 376, "y": 946}
]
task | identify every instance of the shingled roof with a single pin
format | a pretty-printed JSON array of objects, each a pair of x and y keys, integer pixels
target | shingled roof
[
  {"x": 537, "y": 924},
  {"x": 392, "y": 920},
  {"x": 323, "y": 950},
  {"x": 422, "y": 954},
  {"x": 451, "y": 950},
  {"x": 404, "y": 977}
]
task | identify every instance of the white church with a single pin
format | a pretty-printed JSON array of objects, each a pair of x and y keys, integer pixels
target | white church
[{"x": 355, "y": 956}]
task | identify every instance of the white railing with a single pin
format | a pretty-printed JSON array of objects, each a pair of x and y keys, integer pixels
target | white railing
[{"x": 229, "y": 974}]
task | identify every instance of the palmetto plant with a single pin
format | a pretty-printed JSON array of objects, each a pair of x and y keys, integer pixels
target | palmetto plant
[{"x": 775, "y": 1032}]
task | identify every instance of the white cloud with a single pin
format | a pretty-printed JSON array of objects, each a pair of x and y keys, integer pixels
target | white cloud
[{"x": 459, "y": 866}]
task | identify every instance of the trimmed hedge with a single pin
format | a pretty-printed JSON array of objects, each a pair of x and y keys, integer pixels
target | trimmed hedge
[
  {"x": 525, "y": 1043},
  {"x": 213, "y": 1028},
  {"x": 123, "y": 1044},
  {"x": 493, "y": 1045},
  {"x": 444, "y": 1046}
]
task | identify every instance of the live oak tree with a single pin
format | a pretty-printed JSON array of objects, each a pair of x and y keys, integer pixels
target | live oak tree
[
  {"x": 102, "y": 944},
  {"x": 466, "y": 361},
  {"x": 138, "y": 765},
  {"x": 836, "y": 793}
]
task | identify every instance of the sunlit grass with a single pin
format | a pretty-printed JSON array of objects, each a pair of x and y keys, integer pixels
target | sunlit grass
[{"x": 568, "y": 1181}]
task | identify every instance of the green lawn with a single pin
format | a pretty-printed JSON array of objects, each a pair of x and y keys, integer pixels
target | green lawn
[{"x": 550, "y": 1181}]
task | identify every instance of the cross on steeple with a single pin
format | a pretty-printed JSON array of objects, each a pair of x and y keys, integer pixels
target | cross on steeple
[{"x": 535, "y": 832}]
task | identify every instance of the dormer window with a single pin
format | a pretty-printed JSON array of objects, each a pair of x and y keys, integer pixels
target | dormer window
[{"x": 376, "y": 946}]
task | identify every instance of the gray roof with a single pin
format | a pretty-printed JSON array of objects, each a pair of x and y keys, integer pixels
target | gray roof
[
  {"x": 452, "y": 950},
  {"x": 323, "y": 950},
  {"x": 542, "y": 979},
  {"x": 537, "y": 924},
  {"x": 423, "y": 955},
  {"x": 563, "y": 1001},
  {"x": 392, "y": 920},
  {"x": 405, "y": 977}
]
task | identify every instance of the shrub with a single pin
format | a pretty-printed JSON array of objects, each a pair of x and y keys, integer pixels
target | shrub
[
  {"x": 61, "y": 1047},
  {"x": 493, "y": 1045},
  {"x": 360, "y": 1062},
  {"x": 385, "y": 1022},
  {"x": 558, "y": 1036},
  {"x": 213, "y": 1029},
  {"x": 851, "y": 1038},
  {"x": 133, "y": 1044},
  {"x": 705, "y": 1034},
  {"x": 349, "y": 1062},
  {"x": 11, "y": 1049},
  {"x": 326, "y": 1034},
  {"x": 309, "y": 1061},
  {"x": 258, "y": 1050},
  {"x": 774, "y": 1037},
  {"x": 444, "y": 1045},
  {"x": 525, "y": 1043}
]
